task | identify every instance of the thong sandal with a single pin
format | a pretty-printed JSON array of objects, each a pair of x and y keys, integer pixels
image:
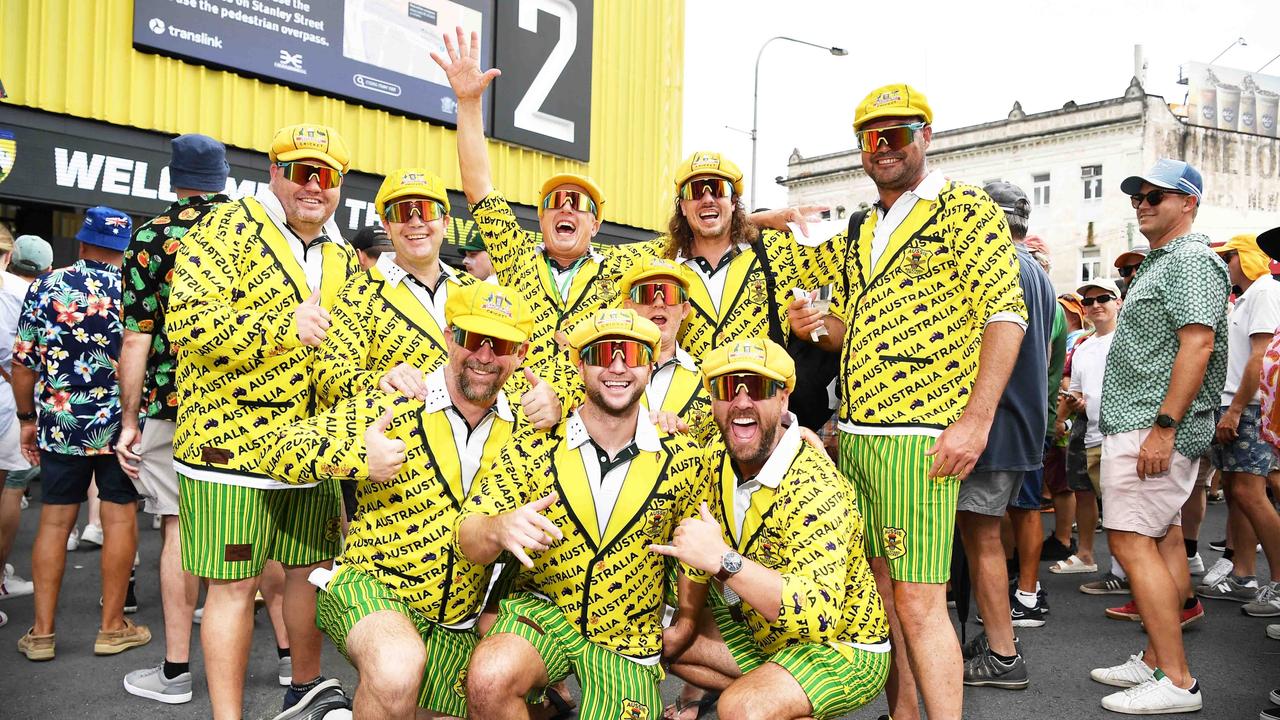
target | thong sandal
[
  {"x": 1072, "y": 565},
  {"x": 703, "y": 705},
  {"x": 564, "y": 710}
]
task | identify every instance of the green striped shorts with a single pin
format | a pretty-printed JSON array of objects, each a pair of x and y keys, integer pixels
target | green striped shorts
[
  {"x": 353, "y": 595},
  {"x": 230, "y": 531},
  {"x": 910, "y": 517},
  {"x": 613, "y": 687},
  {"x": 836, "y": 681}
]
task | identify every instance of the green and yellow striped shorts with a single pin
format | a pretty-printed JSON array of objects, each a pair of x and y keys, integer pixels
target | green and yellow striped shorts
[
  {"x": 613, "y": 687},
  {"x": 230, "y": 531},
  {"x": 353, "y": 595},
  {"x": 836, "y": 681},
  {"x": 910, "y": 517}
]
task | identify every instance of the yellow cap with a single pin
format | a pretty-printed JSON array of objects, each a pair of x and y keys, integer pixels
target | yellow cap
[
  {"x": 613, "y": 323},
  {"x": 411, "y": 182},
  {"x": 310, "y": 142},
  {"x": 897, "y": 100},
  {"x": 581, "y": 181},
  {"x": 652, "y": 267},
  {"x": 489, "y": 309},
  {"x": 1254, "y": 263},
  {"x": 756, "y": 355},
  {"x": 705, "y": 162}
]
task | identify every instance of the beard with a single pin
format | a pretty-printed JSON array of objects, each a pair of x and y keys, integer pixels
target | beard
[
  {"x": 599, "y": 399},
  {"x": 480, "y": 391},
  {"x": 752, "y": 452}
]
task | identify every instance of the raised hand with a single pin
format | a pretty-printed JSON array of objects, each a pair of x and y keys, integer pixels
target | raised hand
[
  {"x": 526, "y": 528},
  {"x": 312, "y": 321},
  {"x": 697, "y": 542},
  {"x": 385, "y": 456},
  {"x": 804, "y": 317},
  {"x": 539, "y": 402},
  {"x": 406, "y": 380},
  {"x": 463, "y": 66}
]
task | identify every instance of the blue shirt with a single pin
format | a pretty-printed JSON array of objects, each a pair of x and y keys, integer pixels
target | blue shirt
[{"x": 69, "y": 334}]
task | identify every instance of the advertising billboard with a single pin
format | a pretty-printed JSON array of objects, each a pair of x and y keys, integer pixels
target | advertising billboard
[{"x": 1231, "y": 99}]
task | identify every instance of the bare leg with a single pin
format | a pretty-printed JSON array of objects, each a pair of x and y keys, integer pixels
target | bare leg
[
  {"x": 119, "y": 543},
  {"x": 387, "y": 650},
  {"x": 1250, "y": 495},
  {"x": 1158, "y": 595},
  {"x": 981, "y": 536},
  {"x": 1064, "y": 513},
  {"x": 179, "y": 591},
  {"x": 1240, "y": 535},
  {"x": 504, "y": 668},
  {"x": 300, "y": 619},
  {"x": 1030, "y": 538},
  {"x": 767, "y": 693},
  {"x": 904, "y": 702},
  {"x": 95, "y": 505},
  {"x": 10, "y": 518},
  {"x": 49, "y": 559},
  {"x": 1193, "y": 513},
  {"x": 932, "y": 646},
  {"x": 225, "y": 636},
  {"x": 271, "y": 583},
  {"x": 1086, "y": 521}
]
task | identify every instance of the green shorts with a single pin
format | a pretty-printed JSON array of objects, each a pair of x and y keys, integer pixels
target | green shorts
[
  {"x": 910, "y": 516},
  {"x": 230, "y": 531},
  {"x": 613, "y": 687},
  {"x": 836, "y": 681},
  {"x": 352, "y": 595}
]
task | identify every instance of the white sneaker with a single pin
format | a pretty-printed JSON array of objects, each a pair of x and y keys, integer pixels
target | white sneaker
[
  {"x": 73, "y": 540},
  {"x": 1273, "y": 632},
  {"x": 197, "y": 617},
  {"x": 92, "y": 534},
  {"x": 1218, "y": 572},
  {"x": 25, "y": 503},
  {"x": 1195, "y": 564},
  {"x": 13, "y": 586},
  {"x": 1132, "y": 673},
  {"x": 1156, "y": 696},
  {"x": 4, "y": 619}
]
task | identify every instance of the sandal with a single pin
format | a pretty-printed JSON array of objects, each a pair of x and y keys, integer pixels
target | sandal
[
  {"x": 564, "y": 708},
  {"x": 702, "y": 705},
  {"x": 1073, "y": 565}
]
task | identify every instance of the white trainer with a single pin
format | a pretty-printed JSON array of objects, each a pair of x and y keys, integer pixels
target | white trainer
[
  {"x": 12, "y": 586},
  {"x": 1218, "y": 572},
  {"x": 1156, "y": 696},
  {"x": 92, "y": 534},
  {"x": 1131, "y": 673},
  {"x": 1195, "y": 564},
  {"x": 73, "y": 540}
]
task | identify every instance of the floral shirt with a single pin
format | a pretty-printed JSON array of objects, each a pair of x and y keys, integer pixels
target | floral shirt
[
  {"x": 148, "y": 272},
  {"x": 69, "y": 334}
]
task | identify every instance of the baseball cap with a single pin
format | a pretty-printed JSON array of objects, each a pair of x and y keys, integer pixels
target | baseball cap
[
  {"x": 105, "y": 227},
  {"x": 1132, "y": 256},
  {"x": 1254, "y": 263},
  {"x": 613, "y": 323},
  {"x": 1071, "y": 303},
  {"x": 198, "y": 162},
  {"x": 1102, "y": 284},
  {"x": 582, "y": 181},
  {"x": 896, "y": 100},
  {"x": 310, "y": 142},
  {"x": 1011, "y": 199},
  {"x": 474, "y": 243},
  {"x": 31, "y": 255},
  {"x": 410, "y": 182},
  {"x": 1268, "y": 241},
  {"x": 372, "y": 237},
  {"x": 489, "y": 309},
  {"x": 1170, "y": 175},
  {"x": 755, "y": 355},
  {"x": 705, "y": 162},
  {"x": 652, "y": 267}
]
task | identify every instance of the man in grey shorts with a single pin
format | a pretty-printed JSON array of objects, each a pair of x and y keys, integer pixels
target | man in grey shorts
[{"x": 1015, "y": 451}]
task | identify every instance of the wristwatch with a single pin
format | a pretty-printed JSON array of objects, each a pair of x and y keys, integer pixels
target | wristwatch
[
  {"x": 730, "y": 565},
  {"x": 1166, "y": 421},
  {"x": 27, "y": 416}
]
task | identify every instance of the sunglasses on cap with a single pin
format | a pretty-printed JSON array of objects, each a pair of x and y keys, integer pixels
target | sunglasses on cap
[
  {"x": 602, "y": 352},
  {"x": 757, "y": 386},
  {"x": 401, "y": 211},
  {"x": 577, "y": 200},
  {"x": 1099, "y": 299},
  {"x": 669, "y": 290},
  {"x": 473, "y": 341},
  {"x": 300, "y": 173},
  {"x": 896, "y": 137},
  {"x": 1153, "y": 198},
  {"x": 696, "y": 188}
]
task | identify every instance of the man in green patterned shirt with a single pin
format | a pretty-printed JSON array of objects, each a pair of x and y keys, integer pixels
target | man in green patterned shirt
[{"x": 1165, "y": 370}]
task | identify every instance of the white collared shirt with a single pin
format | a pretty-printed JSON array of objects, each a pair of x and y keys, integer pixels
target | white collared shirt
[
  {"x": 713, "y": 281},
  {"x": 470, "y": 443},
  {"x": 660, "y": 381},
  {"x": 605, "y": 490},
  {"x": 433, "y": 302},
  {"x": 770, "y": 474}
]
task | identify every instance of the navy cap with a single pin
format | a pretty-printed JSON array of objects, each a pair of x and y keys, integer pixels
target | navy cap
[
  {"x": 1170, "y": 175},
  {"x": 106, "y": 227},
  {"x": 371, "y": 237},
  {"x": 198, "y": 162}
]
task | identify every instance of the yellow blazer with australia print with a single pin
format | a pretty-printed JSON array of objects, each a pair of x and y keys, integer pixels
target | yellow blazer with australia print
[{"x": 688, "y": 398}]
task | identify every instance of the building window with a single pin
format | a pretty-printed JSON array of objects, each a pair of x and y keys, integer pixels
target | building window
[
  {"x": 1090, "y": 264},
  {"x": 1092, "y": 176},
  {"x": 1040, "y": 189}
]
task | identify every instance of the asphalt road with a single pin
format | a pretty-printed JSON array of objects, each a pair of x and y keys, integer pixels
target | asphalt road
[{"x": 1232, "y": 658}]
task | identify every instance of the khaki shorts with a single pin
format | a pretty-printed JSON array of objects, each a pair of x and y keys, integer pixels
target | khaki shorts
[
  {"x": 157, "y": 480},
  {"x": 1149, "y": 506}
]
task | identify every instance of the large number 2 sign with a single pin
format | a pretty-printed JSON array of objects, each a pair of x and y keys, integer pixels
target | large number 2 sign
[{"x": 543, "y": 99}]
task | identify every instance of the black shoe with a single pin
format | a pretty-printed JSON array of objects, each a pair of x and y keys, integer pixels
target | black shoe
[
  {"x": 316, "y": 703},
  {"x": 1027, "y": 617},
  {"x": 986, "y": 671},
  {"x": 1269, "y": 714},
  {"x": 1218, "y": 545},
  {"x": 130, "y": 600},
  {"x": 1042, "y": 599},
  {"x": 979, "y": 645},
  {"x": 1053, "y": 550}
]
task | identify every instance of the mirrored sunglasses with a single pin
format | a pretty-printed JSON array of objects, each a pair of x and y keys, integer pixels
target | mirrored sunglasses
[
  {"x": 577, "y": 200},
  {"x": 300, "y": 173},
  {"x": 473, "y": 341},
  {"x": 757, "y": 386},
  {"x": 400, "y": 212},
  {"x": 896, "y": 137},
  {"x": 669, "y": 290},
  {"x": 602, "y": 353},
  {"x": 696, "y": 188}
]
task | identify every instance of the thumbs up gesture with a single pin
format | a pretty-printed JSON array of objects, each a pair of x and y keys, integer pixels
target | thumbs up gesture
[
  {"x": 540, "y": 404},
  {"x": 312, "y": 321},
  {"x": 526, "y": 528},
  {"x": 385, "y": 456},
  {"x": 697, "y": 542}
]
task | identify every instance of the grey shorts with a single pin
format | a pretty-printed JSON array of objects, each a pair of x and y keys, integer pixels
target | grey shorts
[
  {"x": 990, "y": 493},
  {"x": 157, "y": 480}
]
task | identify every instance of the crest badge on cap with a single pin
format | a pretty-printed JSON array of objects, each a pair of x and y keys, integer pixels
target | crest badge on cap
[
  {"x": 412, "y": 177},
  {"x": 497, "y": 303},
  {"x": 746, "y": 350},
  {"x": 888, "y": 97},
  {"x": 705, "y": 161},
  {"x": 312, "y": 138}
]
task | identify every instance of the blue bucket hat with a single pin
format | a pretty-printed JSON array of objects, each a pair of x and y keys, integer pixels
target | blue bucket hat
[
  {"x": 105, "y": 227},
  {"x": 198, "y": 162},
  {"x": 1170, "y": 175}
]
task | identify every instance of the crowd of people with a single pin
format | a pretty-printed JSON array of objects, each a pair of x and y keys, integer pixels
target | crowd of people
[{"x": 569, "y": 458}]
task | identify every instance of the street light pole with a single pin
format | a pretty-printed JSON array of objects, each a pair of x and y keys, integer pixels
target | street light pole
[{"x": 755, "y": 101}]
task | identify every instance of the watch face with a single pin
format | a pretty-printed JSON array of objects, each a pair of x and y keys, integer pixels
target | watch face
[{"x": 731, "y": 562}]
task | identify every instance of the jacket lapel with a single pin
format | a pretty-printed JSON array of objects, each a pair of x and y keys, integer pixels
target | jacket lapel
[
  {"x": 288, "y": 262},
  {"x": 916, "y": 219},
  {"x": 643, "y": 475},
  {"x": 575, "y": 492},
  {"x": 402, "y": 298}
]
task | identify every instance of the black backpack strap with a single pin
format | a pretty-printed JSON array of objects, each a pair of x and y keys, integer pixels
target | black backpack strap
[
  {"x": 851, "y": 239},
  {"x": 770, "y": 289}
]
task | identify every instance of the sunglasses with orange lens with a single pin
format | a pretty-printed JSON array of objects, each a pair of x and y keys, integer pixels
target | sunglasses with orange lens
[
  {"x": 669, "y": 290},
  {"x": 577, "y": 200},
  {"x": 896, "y": 137},
  {"x": 300, "y": 173},
  {"x": 696, "y": 188},
  {"x": 602, "y": 352},
  {"x": 473, "y": 341},
  {"x": 757, "y": 386},
  {"x": 400, "y": 212}
]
